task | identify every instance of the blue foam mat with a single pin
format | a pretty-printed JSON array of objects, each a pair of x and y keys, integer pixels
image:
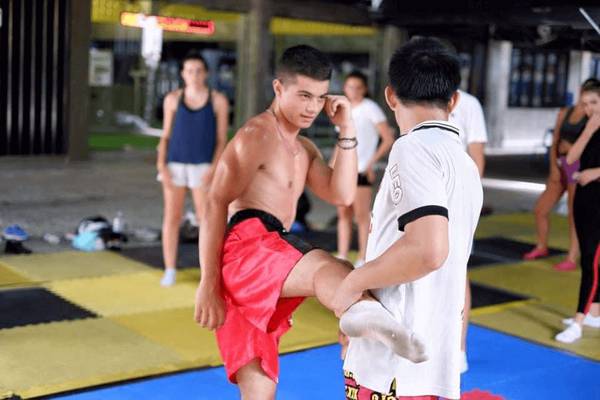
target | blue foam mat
[{"x": 501, "y": 364}]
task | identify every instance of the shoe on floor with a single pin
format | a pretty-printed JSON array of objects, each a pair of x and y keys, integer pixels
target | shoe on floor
[
  {"x": 168, "y": 278},
  {"x": 535, "y": 254},
  {"x": 565, "y": 265},
  {"x": 16, "y": 247},
  {"x": 569, "y": 335},
  {"x": 464, "y": 364},
  {"x": 15, "y": 232},
  {"x": 589, "y": 320}
]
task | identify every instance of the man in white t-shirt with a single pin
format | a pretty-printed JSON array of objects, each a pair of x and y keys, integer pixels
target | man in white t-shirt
[
  {"x": 424, "y": 220},
  {"x": 468, "y": 116}
]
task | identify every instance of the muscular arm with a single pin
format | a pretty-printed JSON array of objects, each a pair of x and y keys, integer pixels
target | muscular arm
[
  {"x": 234, "y": 171},
  {"x": 422, "y": 250},
  {"x": 335, "y": 185}
]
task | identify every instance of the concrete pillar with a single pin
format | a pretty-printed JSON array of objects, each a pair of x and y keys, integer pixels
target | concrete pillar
[
  {"x": 497, "y": 89},
  {"x": 388, "y": 40},
  {"x": 579, "y": 70},
  {"x": 254, "y": 55},
  {"x": 80, "y": 28}
]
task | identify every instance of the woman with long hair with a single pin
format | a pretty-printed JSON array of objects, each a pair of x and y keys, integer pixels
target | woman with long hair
[{"x": 586, "y": 214}]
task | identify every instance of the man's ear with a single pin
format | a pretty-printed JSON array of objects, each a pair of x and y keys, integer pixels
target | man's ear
[
  {"x": 390, "y": 97},
  {"x": 277, "y": 87},
  {"x": 453, "y": 101}
]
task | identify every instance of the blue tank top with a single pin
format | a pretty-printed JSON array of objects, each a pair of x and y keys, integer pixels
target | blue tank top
[{"x": 194, "y": 134}]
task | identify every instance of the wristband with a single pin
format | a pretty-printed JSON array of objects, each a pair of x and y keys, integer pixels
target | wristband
[{"x": 346, "y": 143}]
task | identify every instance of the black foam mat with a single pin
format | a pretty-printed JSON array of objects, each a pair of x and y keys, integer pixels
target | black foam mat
[
  {"x": 187, "y": 256},
  {"x": 478, "y": 260},
  {"x": 506, "y": 250},
  {"x": 483, "y": 295},
  {"x": 20, "y": 307}
]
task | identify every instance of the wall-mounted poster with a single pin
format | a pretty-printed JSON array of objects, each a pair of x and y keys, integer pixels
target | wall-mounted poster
[{"x": 101, "y": 67}]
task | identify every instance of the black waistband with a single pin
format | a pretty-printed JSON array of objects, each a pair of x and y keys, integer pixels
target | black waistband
[{"x": 269, "y": 220}]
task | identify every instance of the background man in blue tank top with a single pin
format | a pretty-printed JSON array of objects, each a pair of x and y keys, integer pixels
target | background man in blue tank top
[{"x": 194, "y": 135}]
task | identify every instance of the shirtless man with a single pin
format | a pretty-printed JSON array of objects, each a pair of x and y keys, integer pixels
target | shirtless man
[{"x": 254, "y": 273}]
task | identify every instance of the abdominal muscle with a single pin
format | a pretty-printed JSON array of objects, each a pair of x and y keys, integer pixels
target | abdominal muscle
[{"x": 276, "y": 188}]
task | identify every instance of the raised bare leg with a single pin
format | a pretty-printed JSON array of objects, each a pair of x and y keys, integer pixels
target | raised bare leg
[{"x": 319, "y": 274}]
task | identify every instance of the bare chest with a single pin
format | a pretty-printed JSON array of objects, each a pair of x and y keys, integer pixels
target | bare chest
[{"x": 287, "y": 171}]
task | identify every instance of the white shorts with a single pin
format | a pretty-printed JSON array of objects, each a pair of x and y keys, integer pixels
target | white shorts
[{"x": 186, "y": 175}]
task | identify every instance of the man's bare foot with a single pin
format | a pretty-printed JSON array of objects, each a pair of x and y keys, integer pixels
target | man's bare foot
[{"x": 368, "y": 319}]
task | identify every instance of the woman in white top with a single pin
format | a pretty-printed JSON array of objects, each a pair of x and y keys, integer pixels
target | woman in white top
[{"x": 371, "y": 125}]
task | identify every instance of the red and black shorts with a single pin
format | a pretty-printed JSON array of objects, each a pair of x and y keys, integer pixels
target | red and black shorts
[{"x": 258, "y": 255}]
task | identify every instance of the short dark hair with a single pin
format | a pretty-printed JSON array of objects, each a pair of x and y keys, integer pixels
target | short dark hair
[
  {"x": 196, "y": 56},
  {"x": 424, "y": 71},
  {"x": 304, "y": 60}
]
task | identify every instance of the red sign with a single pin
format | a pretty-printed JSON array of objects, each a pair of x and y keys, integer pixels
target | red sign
[{"x": 171, "y": 24}]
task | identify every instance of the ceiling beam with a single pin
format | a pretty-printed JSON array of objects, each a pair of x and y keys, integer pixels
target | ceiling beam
[{"x": 313, "y": 10}]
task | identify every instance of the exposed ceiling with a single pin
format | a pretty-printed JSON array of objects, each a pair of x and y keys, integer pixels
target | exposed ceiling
[
  {"x": 540, "y": 23},
  {"x": 550, "y": 24}
]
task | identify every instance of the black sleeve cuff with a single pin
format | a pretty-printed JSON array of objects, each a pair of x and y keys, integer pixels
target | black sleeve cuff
[{"x": 420, "y": 212}]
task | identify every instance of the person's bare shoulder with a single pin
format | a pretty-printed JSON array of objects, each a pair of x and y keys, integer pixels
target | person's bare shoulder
[
  {"x": 256, "y": 136},
  {"x": 219, "y": 99},
  {"x": 172, "y": 98},
  {"x": 310, "y": 147}
]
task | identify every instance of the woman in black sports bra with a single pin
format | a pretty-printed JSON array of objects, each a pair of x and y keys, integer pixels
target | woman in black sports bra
[{"x": 569, "y": 125}]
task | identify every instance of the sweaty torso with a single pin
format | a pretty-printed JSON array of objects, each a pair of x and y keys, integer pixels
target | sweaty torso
[{"x": 279, "y": 180}]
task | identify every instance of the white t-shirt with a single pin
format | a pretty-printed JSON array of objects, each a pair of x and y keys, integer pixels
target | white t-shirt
[
  {"x": 428, "y": 173},
  {"x": 468, "y": 116},
  {"x": 366, "y": 116}
]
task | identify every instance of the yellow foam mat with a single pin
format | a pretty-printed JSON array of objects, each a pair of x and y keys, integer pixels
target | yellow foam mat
[
  {"x": 521, "y": 226},
  {"x": 125, "y": 294},
  {"x": 539, "y": 323},
  {"x": 48, "y": 358},
  {"x": 535, "y": 279},
  {"x": 149, "y": 330},
  {"x": 9, "y": 277},
  {"x": 175, "y": 329},
  {"x": 71, "y": 265}
]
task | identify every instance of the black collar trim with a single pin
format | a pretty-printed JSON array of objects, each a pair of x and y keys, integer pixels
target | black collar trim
[{"x": 428, "y": 125}]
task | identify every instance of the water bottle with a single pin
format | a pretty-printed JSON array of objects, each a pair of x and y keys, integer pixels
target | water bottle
[{"x": 118, "y": 223}]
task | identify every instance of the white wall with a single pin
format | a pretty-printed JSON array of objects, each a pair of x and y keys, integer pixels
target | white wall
[{"x": 521, "y": 130}]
